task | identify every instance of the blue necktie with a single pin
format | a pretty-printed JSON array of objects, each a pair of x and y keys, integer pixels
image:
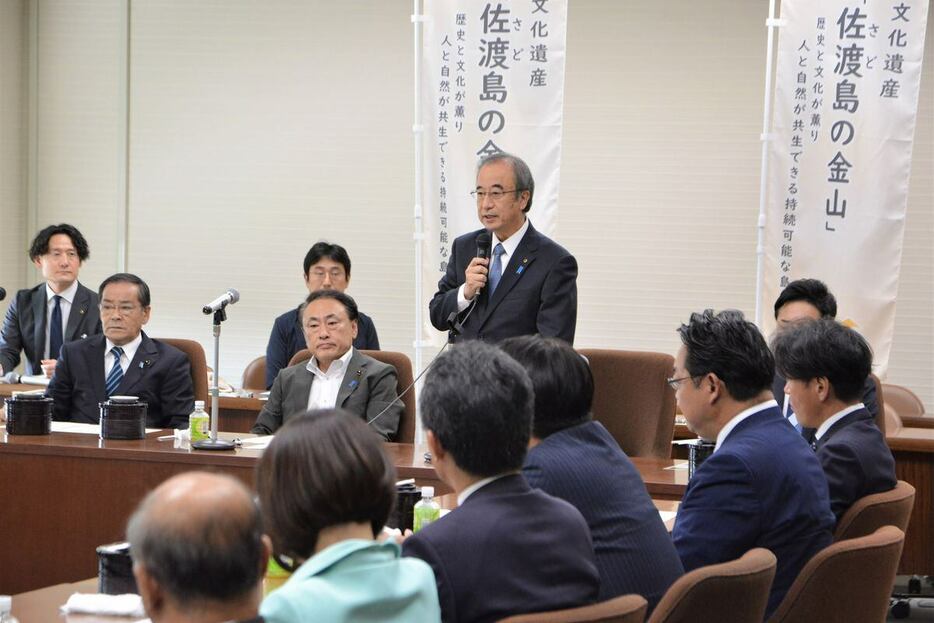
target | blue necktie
[
  {"x": 116, "y": 372},
  {"x": 55, "y": 329},
  {"x": 496, "y": 270}
]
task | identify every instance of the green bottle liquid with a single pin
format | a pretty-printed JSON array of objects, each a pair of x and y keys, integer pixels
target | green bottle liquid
[
  {"x": 199, "y": 422},
  {"x": 426, "y": 511}
]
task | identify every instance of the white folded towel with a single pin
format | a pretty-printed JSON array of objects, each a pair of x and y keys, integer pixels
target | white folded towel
[{"x": 128, "y": 605}]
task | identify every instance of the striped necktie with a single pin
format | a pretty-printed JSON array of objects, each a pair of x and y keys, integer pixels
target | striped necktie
[
  {"x": 116, "y": 372},
  {"x": 496, "y": 270}
]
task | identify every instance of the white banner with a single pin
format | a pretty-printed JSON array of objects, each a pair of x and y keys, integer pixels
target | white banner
[
  {"x": 492, "y": 81},
  {"x": 845, "y": 103}
]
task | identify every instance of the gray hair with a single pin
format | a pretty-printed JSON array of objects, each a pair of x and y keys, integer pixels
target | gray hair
[{"x": 520, "y": 170}]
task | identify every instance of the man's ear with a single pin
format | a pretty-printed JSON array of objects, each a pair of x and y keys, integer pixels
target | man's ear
[
  {"x": 823, "y": 388},
  {"x": 150, "y": 591},
  {"x": 434, "y": 446},
  {"x": 712, "y": 384}
]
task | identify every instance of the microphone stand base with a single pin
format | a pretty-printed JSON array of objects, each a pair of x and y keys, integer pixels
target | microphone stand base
[{"x": 213, "y": 444}]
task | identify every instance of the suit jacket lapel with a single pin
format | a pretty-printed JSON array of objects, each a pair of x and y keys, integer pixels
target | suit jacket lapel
[
  {"x": 78, "y": 311},
  {"x": 39, "y": 307},
  {"x": 142, "y": 363},
  {"x": 519, "y": 262},
  {"x": 356, "y": 370},
  {"x": 846, "y": 420},
  {"x": 94, "y": 364},
  {"x": 296, "y": 398}
]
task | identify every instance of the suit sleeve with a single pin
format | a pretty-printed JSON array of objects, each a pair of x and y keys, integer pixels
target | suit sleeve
[
  {"x": 557, "y": 312},
  {"x": 382, "y": 393},
  {"x": 419, "y": 547},
  {"x": 177, "y": 394},
  {"x": 61, "y": 386},
  {"x": 444, "y": 302},
  {"x": 870, "y": 399},
  {"x": 270, "y": 418},
  {"x": 370, "y": 337},
  {"x": 719, "y": 516},
  {"x": 844, "y": 475},
  {"x": 11, "y": 340},
  {"x": 277, "y": 355}
]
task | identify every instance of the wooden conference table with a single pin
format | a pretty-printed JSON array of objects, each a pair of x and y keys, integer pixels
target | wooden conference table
[{"x": 63, "y": 494}]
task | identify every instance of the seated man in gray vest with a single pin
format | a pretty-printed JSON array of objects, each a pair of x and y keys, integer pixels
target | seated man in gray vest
[{"x": 336, "y": 376}]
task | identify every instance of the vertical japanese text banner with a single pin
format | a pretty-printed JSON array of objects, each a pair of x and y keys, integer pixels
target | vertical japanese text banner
[
  {"x": 492, "y": 81},
  {"x": 845, "y": 103}
]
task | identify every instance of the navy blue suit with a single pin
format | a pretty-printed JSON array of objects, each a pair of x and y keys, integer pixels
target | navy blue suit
[
  {"x": 584, "y": 465},
  {"x": 160, "y": 375},
  {"x": 24, "y": 326},
  {"x": 537, "y": 293},
  {"x": 287, "y": 338},
  {"x": 869, "y": 399},
  {"x": 509, "y": 549},
  {"x": 856, "y": 460},
  {"x": 763, "y": 487}
]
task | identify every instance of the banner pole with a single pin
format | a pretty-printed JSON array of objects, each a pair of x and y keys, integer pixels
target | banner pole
[{"x": 418, "y": 235}]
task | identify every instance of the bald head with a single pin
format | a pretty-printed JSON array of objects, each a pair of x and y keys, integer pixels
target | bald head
[{"x": 197, "y": 538}]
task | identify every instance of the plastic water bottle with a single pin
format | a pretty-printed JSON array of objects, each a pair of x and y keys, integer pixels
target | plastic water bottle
[
  {"x": 199, "y": 423},
  {"x": 6, "y": 606},
  {"x": 426, "y": 511}
]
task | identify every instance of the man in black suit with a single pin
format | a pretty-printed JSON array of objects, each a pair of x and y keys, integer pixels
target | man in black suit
[
  {"x": 825, "y": 365},
  {"x": 123, "y": 361},
  {"x": 576, "y": 459},
  {"x": 803, "y": 300},
  {"x": 507, "y": 549},
  {"x": 527, "y": 286},
  {"x": 40, "y": 319}
]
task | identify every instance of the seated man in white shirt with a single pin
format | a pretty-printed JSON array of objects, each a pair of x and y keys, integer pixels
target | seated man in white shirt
[{"x": 336, "y": 376}]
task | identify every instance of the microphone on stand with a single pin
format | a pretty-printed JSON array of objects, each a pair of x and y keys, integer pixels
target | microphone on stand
[
  {"x": 2, "y": 294},
  {"x": 229, "y": 297}
]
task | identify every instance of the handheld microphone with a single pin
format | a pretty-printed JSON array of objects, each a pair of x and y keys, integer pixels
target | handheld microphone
[
  {"x": 2, "y": 294},
  {"x": 229, "y": 297},
  {"x": 484, "y": 242}
]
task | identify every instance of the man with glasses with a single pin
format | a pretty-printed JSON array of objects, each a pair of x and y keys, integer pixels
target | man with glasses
[
  {"x": 123, "y": 361},
  {"x": 762, "y": 486},
  {"x": 41, "y": 319},
  {"x": 528, "y": 285},
  {"x": 337, "y": 376},
  {"x": 326, "y": 267}
]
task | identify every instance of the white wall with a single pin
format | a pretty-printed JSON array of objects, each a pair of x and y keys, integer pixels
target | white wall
[{"x": 225, "y": 137}]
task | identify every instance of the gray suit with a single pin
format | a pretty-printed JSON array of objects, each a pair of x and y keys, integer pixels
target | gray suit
[
  {"x": 24, "y": 326},
  {"x": 368, "y": 387}
]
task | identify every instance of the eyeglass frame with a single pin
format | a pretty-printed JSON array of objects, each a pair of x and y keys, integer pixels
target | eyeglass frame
[
  {"x": 673, "y": 383},
  {"x": 480, "y": 195}
]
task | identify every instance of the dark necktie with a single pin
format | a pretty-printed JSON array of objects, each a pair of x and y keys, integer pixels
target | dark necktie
[
  {"x": 116, "y": 372},
  {"x": 55, "y": 329},
  {"x": 496, "y": 270}
]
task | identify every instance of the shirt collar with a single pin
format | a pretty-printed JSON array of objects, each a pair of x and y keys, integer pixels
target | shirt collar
[
  {"x": 511, "y": 243},
  {"x": 129, "y": 349},
  {"x": 68, "y": 293},
  {"x": 337, "y": 366},
  {"x": 836, "y": 417},
  {"x": 468, "y": 491},
  {"x": 739, "y": 417},
  {"x": 333, "y": 554}
]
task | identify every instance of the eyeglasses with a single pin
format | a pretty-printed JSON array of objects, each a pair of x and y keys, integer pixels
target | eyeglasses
[
  {"x": 673, "y": 383},
  {"x": 496, "y": 194}
]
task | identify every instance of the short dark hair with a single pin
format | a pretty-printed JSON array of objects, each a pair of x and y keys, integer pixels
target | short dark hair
[
  {"x": 478, "y": 402},
  {"x": 141, "y": 287},
  {"x": 810, "y": 350},
  {"x": 215, "y": 557},
  {"x": 322, "y": 249},
  {"x": 561, "y": 378},
  {"x": 732, "y": 348},
  {"x": 323, "y": 469},
  {"x": 520, "y": 171},
  {"x": 40, "y": 244},
  {"x": 811, "y": 291},
  {"x": 349, "y": 304}
]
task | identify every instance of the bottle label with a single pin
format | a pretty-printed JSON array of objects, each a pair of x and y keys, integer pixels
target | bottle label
[
  {"x": 199, "y": 427},
  {"x": 424, "y": 515}
]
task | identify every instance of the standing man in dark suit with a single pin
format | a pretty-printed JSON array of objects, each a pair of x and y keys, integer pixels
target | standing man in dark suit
[
  {"x": 41, "y": 319},
  {"x": 528, "y": 286},
  {"x": 327, "y": 267},
  {"x": 762, "y": 486},
  {"x": 576, "y": 459},
  {"x": 826, "y": 365},
  {"x": 507, "y": 548},
  {"x": 337, "y": 376},
  {"x": 803, "y": 300},
  {"x": 123, "y": 361}
]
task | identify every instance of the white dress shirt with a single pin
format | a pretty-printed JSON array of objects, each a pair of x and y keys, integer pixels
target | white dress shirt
[
  {"x": 326, "y": 385},
  {"x": 468, "y": 491},
  {"x": 68, "y": 297},
  {"x": 129, "y": 351},
  {"x": 836, "y": 417}
]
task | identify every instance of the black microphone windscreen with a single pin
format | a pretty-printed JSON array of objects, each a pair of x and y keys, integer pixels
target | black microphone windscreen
[
  {"x": 2, "y": 294},
  {"x": 484, "y": 242}
]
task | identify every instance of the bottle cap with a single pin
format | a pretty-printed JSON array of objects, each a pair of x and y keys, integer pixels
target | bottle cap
[
  {"x": 428, "y": 492},
  {"x": 6, "y": 604},
  {"x": 199, "y": 404}
]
